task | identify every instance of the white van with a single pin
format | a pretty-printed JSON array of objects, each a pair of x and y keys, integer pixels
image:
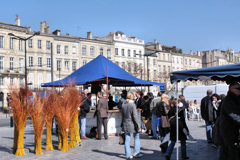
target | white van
[{"x": 199, "y": 91}]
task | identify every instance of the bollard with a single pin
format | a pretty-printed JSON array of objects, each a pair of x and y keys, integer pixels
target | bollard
[{"x": 11, "y": 121}]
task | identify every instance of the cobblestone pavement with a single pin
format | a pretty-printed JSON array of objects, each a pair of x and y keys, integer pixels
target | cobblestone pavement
[{"x": 197, "y": 149}]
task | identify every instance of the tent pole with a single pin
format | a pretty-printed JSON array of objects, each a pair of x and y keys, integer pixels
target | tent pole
[
  {"x": 107, "y": 83},
  {"x": 177, "y": 157}
]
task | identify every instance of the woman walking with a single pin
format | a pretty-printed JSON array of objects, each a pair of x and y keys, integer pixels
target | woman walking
[
  {"x": 162, "y": 112},
  {"x": 183, "y": 130},
  {"x": 130, "y": 126}
]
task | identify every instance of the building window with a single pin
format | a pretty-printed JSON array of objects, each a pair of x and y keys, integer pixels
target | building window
[
  {"x": 11, "y": 43},
  {"x": 40, "y": 80},
  {"x": 177, "y": 61},
  {"x": 92, "y": 51},
  {"x": 39, "y": 61},
  {"x": 108, "y": 53},
  {"x": 154, "y": 62},
  {"x": 190, "y": 62},
  {"x": 84, "y": 50},
  {"x": 11, "y": 64},
  {"x": 66, "y": 49},
  {"x": 164, "y": 68},
  {"x": 140, "y": 54},
  {"x": 11, "y": 80},
  {"x": 1, "y": 63},
  {"x": 101, "y": 51},
  {"x": 30, "y": 61},
  {"x": 84, "y": 62},
  {"x": 58, "y": 65},
  {"x": 164, "y": 57},
  {"x": 48, "y": 62},
  {"x": 39, "y": 44},
  {"x": 129, "y": 53},
  {"x": 123, "y": 54},
  {"x": 74, "y": 66},
  {"x": 74, "y": 50},
  {"x": 169, "y": 70},
  {"x": 185, "y": 61},
  {"x": 159, "y": 68},
  {"x": 154, "y": 73},
  {"x": 66, "y": 65},
  {"x": 21, "y": 65},
  {"x": 48, "y": 45},
  {"x": 1, "y": 81},
  {"x": 134, "y": 53},
  {"x": 116, "y": 51},
  {"x": 31, "y": 80},
  {"x": 1, "y": 41},
  {"x": 20, "y": 45},
  {"x": 21, "y": 81},
  {"x": 30, "y": 43},
  {"x": 58, "y": 49}
]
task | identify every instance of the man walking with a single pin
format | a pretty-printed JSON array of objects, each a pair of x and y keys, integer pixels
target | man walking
[
  {"x": 84, "y": 109},
  {"x": 102, "y": 115},
  {"x": 154, "y": 116},
  {"x": 207, "y": 115}
]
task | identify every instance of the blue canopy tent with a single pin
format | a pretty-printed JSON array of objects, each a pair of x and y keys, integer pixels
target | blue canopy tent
[
  {"x": 226, "y": 73},
  {"x": 97, "y": 71}
]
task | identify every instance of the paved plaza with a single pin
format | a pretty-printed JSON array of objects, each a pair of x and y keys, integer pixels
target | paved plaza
[{"x": 197, "y": 149}]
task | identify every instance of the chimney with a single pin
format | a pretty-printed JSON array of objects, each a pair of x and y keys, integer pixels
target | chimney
[
  {"x": 57, "y": 32},
  {"x": 155, "y": 41},
  {"x": 17, "y": 20},
  {"x": 191, "y": 52},
  {"x": 89, "y": 35},
  {"x": 44, "y": 28},
  {"x": 198, "y": 53}
]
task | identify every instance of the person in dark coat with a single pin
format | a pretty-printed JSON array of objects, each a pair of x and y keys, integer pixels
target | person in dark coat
[
  {"x": 111, "y": 103},
  {"x": 122, "y": 100},
  {"x": 130, "y": 126},
  {"x": 229, "y": 124},
  {"x": 102, "y": 115},
  {"x": 139, "y": 100},
  {"x": 182, "y": 130},
  {"x": 84, "y": 109},
  {"x": 162, "y": 109},
  {"x": 207, "y": 113}
]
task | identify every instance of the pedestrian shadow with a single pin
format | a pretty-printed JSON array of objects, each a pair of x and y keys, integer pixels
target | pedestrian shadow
[
  {"x": 119, "y": 155},
  {"x": 5, "y": 149},
  {"x": 8, "y": 137}
]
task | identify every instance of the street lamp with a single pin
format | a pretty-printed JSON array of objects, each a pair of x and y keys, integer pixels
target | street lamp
[
  {"x": 147, "y": 54},
  {"x": 25, "y": 40}
]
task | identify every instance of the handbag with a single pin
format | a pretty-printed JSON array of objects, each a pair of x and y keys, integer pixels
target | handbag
[
  {"x": 121, "y": 138},
  {"x": 165, "y": 122}
]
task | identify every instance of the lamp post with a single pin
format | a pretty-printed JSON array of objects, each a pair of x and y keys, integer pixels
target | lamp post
[
  {"x": 25, "y": 41},
  {"x": 147, "y": 54}
]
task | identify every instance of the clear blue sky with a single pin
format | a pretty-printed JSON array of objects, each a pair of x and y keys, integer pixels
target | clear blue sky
[{"x": 187, "y": 24}]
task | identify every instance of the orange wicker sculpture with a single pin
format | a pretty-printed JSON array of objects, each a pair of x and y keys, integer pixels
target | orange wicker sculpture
[
  {"x": 19, "y": 104},
  {"x": 48, "y": 110},
  {"x": 36, "y": 113},
  {"x": 66, "y": 106}
]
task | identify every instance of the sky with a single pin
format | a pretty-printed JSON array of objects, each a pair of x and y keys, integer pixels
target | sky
[{"x": 197, "y": 25}]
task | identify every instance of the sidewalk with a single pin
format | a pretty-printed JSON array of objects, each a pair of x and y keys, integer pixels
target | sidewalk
[
  {"x": 197, "y": 149},
  {"x": 4, "y": 115}
]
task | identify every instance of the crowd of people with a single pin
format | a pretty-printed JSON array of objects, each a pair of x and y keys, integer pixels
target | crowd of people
[
  {"x": 221, "y": 115},
  {"x": 222, "y": 118}
]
